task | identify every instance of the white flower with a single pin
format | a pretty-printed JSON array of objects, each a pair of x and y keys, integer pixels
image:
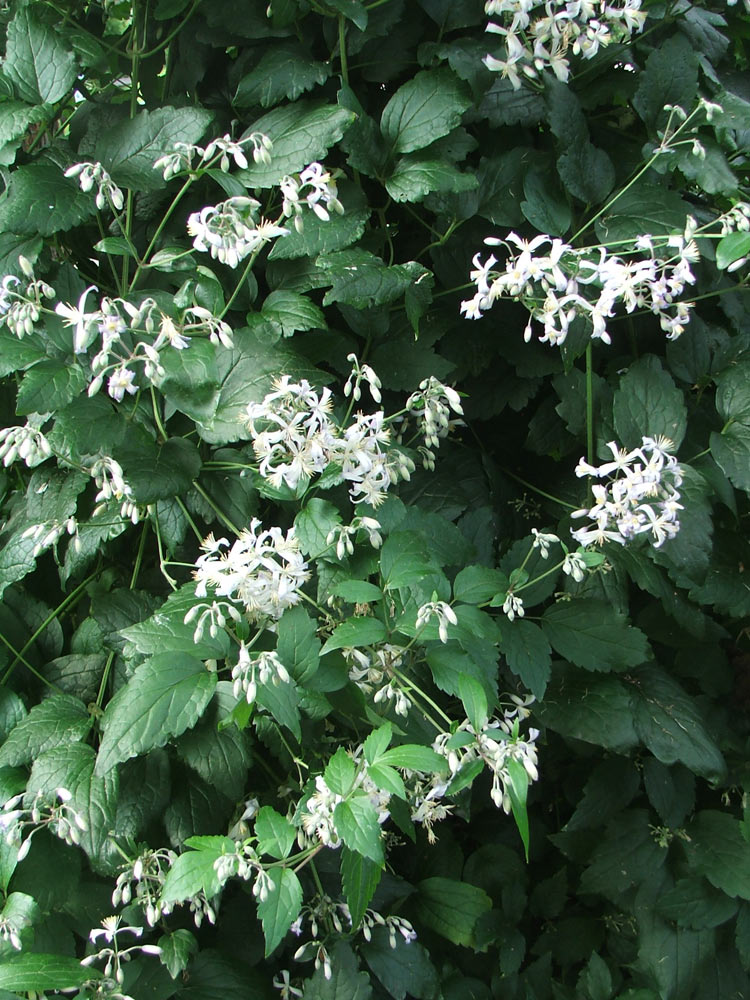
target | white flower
[
  {"x": 444, "y": 614},
  {"x": 120, "y": 382},
  {"x": 83, "y": 322}
]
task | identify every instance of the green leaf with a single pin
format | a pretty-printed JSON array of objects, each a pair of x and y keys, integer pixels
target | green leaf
[
  {"x": 177, "y": 949},
  {"x": 300, "y": 132},
  {"x": 352, "y": 10},
  {"x": 16, "y": 116},
  {"x": 313, "y": 524},
  {"x": 281, "y": 907},
  {"x": 12, "y": 710},
  {"x": 358, "y": 591},
  {"x": 361, "y": 279},
  {"x": 404, "y": 560},
  {"x": 215, "y": 748},
  {"x": 388, "y": 779},
  {"x": 165, "y": 696},
  {"x": 159, "y": 472},
  {"x": 595, "y": 980},
  {"x": 718, "y": 851},
  {"x": 11, "y": 247},
  {"x": 93, "y": 798},
  {"x": 625, "y": 856},
  {"x": 647, "y": 403},
  {"x": 415, "y": 758},
  {"x": 37, "y": 61},
  {"x": 57, "y": 720},
  {"x": 285, "y": 71},
  {"x": 339, "y": 773},
  {"x": 403, "y": 970},
  {"x": 377, "y": 742},
  {"x": 131, "y": 146},
  {"x": 345, "y": 983},
  {"x": 733, "y": 393},
  {"x": 275, "y": 833},
  {"x": 167, "y": 629},
  {"x": 356, "y": 822},
  {"x": 471, "y": 693},
  {"x": 298, "y": 645},
  {"x": 587, "y": 173},
  {"x": 36, "y": 973},
  {"x": 594, "y": 636},
  {"x": 478, "y": 584},
  {"x": 730, "y": 248},
  {"x": 194, "y": 872},
  {"x": 670, "y": 77},
  {"x": 731, "y": 449},
  {"x": 594, "y": 708},
  {"x": 527, "y": 653},
  {"x": 668, "y": 721},
  {"x": 116, "y": 246},
  {"x": 694, "y": 903},
  {"x": 320, "y": 236},
  {"x": 644, "y": 208},
  {"x": 423, "y": 109},
  {"x": 545, "y": 205},
  {"x": 413, "y": 178},
  {"x": 49, "y": 385},
  {"x": 359, "y": 877},
  {"x": 451, "y": 908},
  {"x": 292, "y": 312},
  {"x": 282, "y": 701},
  {"x": 355, "y": 632},
  {"x": 39, "y": 201}
]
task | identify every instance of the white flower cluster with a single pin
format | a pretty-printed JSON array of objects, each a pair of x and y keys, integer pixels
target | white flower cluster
[
  {"x": 640, "y": 497},
  {"x": 342, "y": 535},
  {"x": 232, "y": 230},
  {"x": 373, "y": 673},
  {"x": 26, "y": 443},
  {"x": 186, "y": 157},
  {"x": 109, "y": 478},
  {"x": 94, "y": 174},
  {"x": 317, "y": 817},
  {"x": 551, "y": 283},
  {"x": 142, "y": 881},
  {"x": 541, "y": 35},
  {"x": 248, "y": 672},
  {"x": 115, "y": 956},
  {"x": 263, "y": 570},
  {"x": 49, "y": 811},
  {"x": 19, "y": 311},
  {"x": 121, "y": 349},
  {"x": 440, "y": 610},
  {"x": 321, "y": 194},
  {"x": 432, "y": 406},
  {"x": 295, "y": 437},
  {"x": 393, "y": 924}
]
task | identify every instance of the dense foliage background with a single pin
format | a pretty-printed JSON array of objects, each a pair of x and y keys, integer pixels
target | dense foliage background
[{"x": 172, "y": 763}]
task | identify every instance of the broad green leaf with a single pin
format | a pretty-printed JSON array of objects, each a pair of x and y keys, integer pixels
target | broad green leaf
[
  {"x": 292, "y": 312},
  {"x": 56, "y": 721},
  {"x": 474, "y": 701},
  {"x": 12, "y": 710},
  {"x": 415, "y": 758},
  {"x": 404, "y": 560},
  {"x": 49, "y": 385},
  {"x": 595, "y": 980},
  {"x": 644, "y": 208},
  {"x": 115, "y": 246},
  {"x": 613, "y": 784},
  {"x": 478, "y": 584},
  {"x": 298, "y": 645},
  {"x": 320, "y": 236},
  {"x": 592, "y": 635},
  {"x": 16, "y": 116},
  {"x": 166, "y": 629},
  {"x": 339, "y": 773},
  {"x": 39, "y": 201},
  {"x": 345, "y": 983},
  {"x": 191, "y": 379},
  {"x": 355, "y": 632},
  {"x": 670, "y": 77},
  {"x": 710, "y": 171},
  {"x": 718, "y": 851},
  {"x": 732, "y": 247},
  {"x": 352, "y": 10},
  {"x": 281, "y": 907},
  {"x": 545, "y": 205},
  {"x": 451, "y": 908},
  {"x": 20, "y": 913},
  {"x": 11, "y": 247},
  {"x": 93, "y": 798},
  {"x": 282, "y": 701},
  {"x": 694, "y": 903},
  {"x": 358, "y": 591},
  {"x": 359, "y": 877},
  {"x": 502, "y": 105},
  {"x": 283, "y": 71},
  {"x": 731, "y": 449},
  {"x": 313, "y": 524},
  {"x": 36, "y": 973},
  {"x": 129, "y": 149},
  {"x": 647, "y": 403},
  {"x": 388, "y": 779},
  {"x": 300, "y": 132},
  {"x": 361, "y": 279},
  {"x": 377, "y": 742},
  {"x": 194, "y": 872},
  {"x": 527, "y": 653},
  {"x": 587, "y": 173},
  {"x": 594, "y": 708},
  {"x": 428, "y": 106},
  {"x": 356, "y": 822},
  {"x": 177, "y": 949},
  {"x": 275, "y": 833},
  {"x": 733, "y": 393},
  {"x": 625, "y": 856},
  {"x": 165, "y": 696},
  {"x": 668, "y": 721},
  {"x": 413, "y": 178},
  {"x": 37, "y": 61},
  {"x": 517, "y": 788},
  {"x": 405, "y": 970},
  {"x": 217, "y": 751},
  {"x": 159, "y": 472}
]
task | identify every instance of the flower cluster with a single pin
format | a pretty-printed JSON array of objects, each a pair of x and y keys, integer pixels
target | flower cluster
[
  {"x": 314, "y": 187},
  {"x": 263, "y": 570},
  {"x": 317, "y": 816},
  {"x": 20, "y": 310},
  {"x": 295, "y": 437},
  {"x": 142, "y": 881},
  {"x": 432, "y": 406},
  {"x": 92, "y": 175},
  {"x": 440, "y": 610},
  {"x": 248, "y": 672},
  {"x": 26, "y": 443},
  {"x": 113, "y": 954},
  {"x": 639, "y": 498},
  {"x": 232, "y": 230},
  {"x": 550, "y": 277},
  {"x": 50, "y": 811},
  {"x": 373, "y": 673},
  {"x": 541, "y": 35},
  {"x": 186, "y": 157}
]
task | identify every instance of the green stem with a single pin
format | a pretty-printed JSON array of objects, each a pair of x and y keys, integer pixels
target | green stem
[
  {"x": 157, "y": 418},
  {"x": 221, "y": 516},
  {"x": 589, "y": 404},
  {"x": 412, "y": 687},
  {"x": 105, "y": 678},
  {"x": 342, "y": 50},
  {"x": 189, "y": 519},
  {"x": 22, "y": 659},
  {"x": 536, "y": 489},
  {"x": 139, "y": 556},
  {"x": 160, "y": 229},
  {"x": 547, "y": 572},
  {"x": 162, "y": 561}
]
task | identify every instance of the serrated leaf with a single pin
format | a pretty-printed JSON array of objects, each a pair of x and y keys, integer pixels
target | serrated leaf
[
  {"x": 587, "y": 173},
  {"x": 57, "y": 720},
  {"x": 405, "y": 970},
  {"x": 669, "y": 723},
  {"x": 694, "y": 903},
  {"x": 320, "y": 236},
  {"x": 166, "y": 628},
  {"x": 177, "y": 949},
  {"x": 670, "y": 77},
  {"x": 39, "y": 201},
  {"x": 644, "y": 208},
  {"x": 377, "y": 742},
  {"x": 451, "y": 908},
  {"x": 358, "y": 591},
  {"x": 298, "y": 646},
  {"x": 527, "y": 653},
  {"x": 345, "y": 982},
  {"x": 300, "y": 132},
  {"x": 647, "y": 403},
  {"x": 731, "y": 449},
  {"x": 413, "y": 178},
  {"x": 625, "y": 856},
  {"x": 37, "y": 973},
  {"x": 361, "y": 279},
  {"x": 37, "y": 61},
  {"x": 93, "y": 798},
  {"x": 359, "y": 877},
  {"x": 218, "y": 753},
  {"x": 415, "y": 758},
  {"x": 312, "y": 525},
  {"x": 730, "y": 248},
  {"x": 718, "y": 851},
  {"x": 49, "y": 385},
  {"x": 471, "y": 693},
  {"x": 194, "y": 872},
  {"x": 159, "y": 472},
  {"x": 292, "y": 312},
  {"x": 165, "y": 696},
  {"x": 284, "y": 71},
  {"x": 275, "y": 833},
  {"x": 11, "y": 247},
  {"x": 356, "y": 822},
  {"x": 281, "y": 907},
  {"x": 15, "y": 118},
  {"x": 355, "y": 632},
  {"x": 428, "y": 106},
  {"x": 339, "y": 773},
  {"x": 590, "y": 707},
  {"x": 388, "y": 779},
  {"x": 478, "y": 584},
  {"x": 131, "y": 146},
  {"x": 592, "y": 635}
]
